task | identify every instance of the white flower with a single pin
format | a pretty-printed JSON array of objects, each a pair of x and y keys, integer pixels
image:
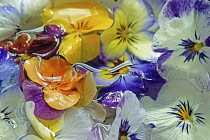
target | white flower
[
  {"x": 13, "y": 122},
  {"x": 128, "y": 124},
  {"x": 181, "y": 112},
  {"x": 184, "y": 30},
  {"x": 75, "y": 124},
  {"x": 16, "y": 15}
]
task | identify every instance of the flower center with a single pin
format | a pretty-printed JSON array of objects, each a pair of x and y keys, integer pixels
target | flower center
[
  {"x": 124, "y": 138},
  {"x": 4, "y": 116},
  {"x": 198, "y": 46},
  {"x": 184, "y": 112},
  {"x": 124, "y": 70}
]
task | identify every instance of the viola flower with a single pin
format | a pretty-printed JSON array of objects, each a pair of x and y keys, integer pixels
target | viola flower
[
  {"x": 75, "y": 124},
  {"x": 129, "y": 32},
  {"x": 129, "y": 125},
  {"x": 184, "y": 32},
  {"x": 9, "y": 70},
  {"x": 180, "y": 112},
  {"x": 16, "y": 15},
  {"x": 126, "y": 73},
  {"x": 82, "y": 43},
  {"x": 25, "y": 46},
  {"x": 12, "y": 120},
  {"x": 62, "y": 86}
]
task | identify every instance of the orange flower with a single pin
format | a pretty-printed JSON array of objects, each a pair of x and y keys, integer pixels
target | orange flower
[{"x": 63, "y": 86}]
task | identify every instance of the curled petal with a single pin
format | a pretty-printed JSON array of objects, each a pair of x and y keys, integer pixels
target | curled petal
[
  {"x": 87, "y": 89},
  {"x": 60, "y": 100},
  {"x": 33, "y": 69}
]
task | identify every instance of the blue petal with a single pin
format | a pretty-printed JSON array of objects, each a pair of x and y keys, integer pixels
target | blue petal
[
  {"x": 9, "y": 69},
  {"x": 176, "y": 8},
  {"x": 145, "y": 70},
  {"x": 111, "y": 95}
]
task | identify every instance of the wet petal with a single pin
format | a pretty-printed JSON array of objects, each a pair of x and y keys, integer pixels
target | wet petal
[
  {"x": 79, "y": 48},
  {"x": 78, "y": 10},
  {"x": 33, "y": 69},
  {"x": 87, "y": 89},
  {"x": 59, "y": 99},
  {"x": 93, "y": 23},
  {"x": 111, "y": 95}
]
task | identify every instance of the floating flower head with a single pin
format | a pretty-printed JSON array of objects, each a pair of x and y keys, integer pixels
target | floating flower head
[
  {"x": 180, "y": 112},
  {"x": 75, "y": 124},
  {"x": 16, "y": 15},
  {"x": 62, "y": 86},
  {"x": 83, "y": 22},
  {"x": 128, "y": 125},
  {"x": 129, "y": 32},
  {"x": 184, "y": 31},
  {"x": 126, "y": 73},
  {"x": 12, "y": 120}
]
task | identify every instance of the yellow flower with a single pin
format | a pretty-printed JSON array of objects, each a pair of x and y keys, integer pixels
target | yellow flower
[
  {"x": 129, "y": 32},
  {"x": 83, "y": 21}
]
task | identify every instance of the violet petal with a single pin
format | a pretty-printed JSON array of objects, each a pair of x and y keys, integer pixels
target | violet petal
[{"x": 33, "y": 92}]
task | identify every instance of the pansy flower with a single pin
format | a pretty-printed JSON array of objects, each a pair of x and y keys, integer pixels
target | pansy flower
[
  {"x": 129, "y": 125},
  {"x": 75, "y": 124},
  {"x": 129, "y": 32},
  {"x": 83, "y": 23},
  {"x": 126, "y": 73},
  {"x": 13, "y": 122},
  {"x": 181, "y": 112},
  {"x": 184, "y": 32},
  {"x": 16, "y": 15},
  {"x": 63, "y": 87}
]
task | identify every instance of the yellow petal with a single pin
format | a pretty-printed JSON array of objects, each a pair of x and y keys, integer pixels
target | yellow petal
[
  {"x": 33, "y": 69},
  {"x": 43, "y": 131},
  {"x": 71, "y": 12},
  {"x": 142, "y": 48},
  {"x": 54, "y": 125},
  {"x": 87, "y": 88},
  {"x": 114, "y": 39},
  {"x": 59, "y": 99},
  {"x": 93, "y": 23},
  {"x": 79, "y": 48},
  {"x": 137, "y": 14}
]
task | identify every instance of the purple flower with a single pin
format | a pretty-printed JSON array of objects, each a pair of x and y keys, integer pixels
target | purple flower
[{"x": 126, "y": 73}]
